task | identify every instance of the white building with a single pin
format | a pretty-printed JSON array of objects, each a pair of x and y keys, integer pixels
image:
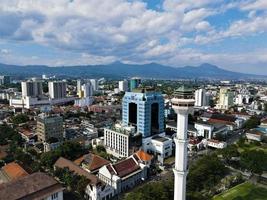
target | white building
[
  {"x": 57, "y": 89},
  {"x": 200, "y": 98},
  {"x": 159, "y": 146},
  {"x": 83, "y": 102},
  {"x": 123, "y": 86},
  {"x": 124, "y": 175},
  {"x": 30, "y": 102},
  {"x": 87, "y": 89},
  {"x": 208, "y": 130},
  {"x": 31, "y": 88},
  {"x": 254, "y": 135},
  {"x": 216, "y": 144},
  {"x": 94, "y": 83},
  {"x": 117, "y": 140}
]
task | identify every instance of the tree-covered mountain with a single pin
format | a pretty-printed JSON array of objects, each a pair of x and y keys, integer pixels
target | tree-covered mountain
[{"x": 121, "y": 70}]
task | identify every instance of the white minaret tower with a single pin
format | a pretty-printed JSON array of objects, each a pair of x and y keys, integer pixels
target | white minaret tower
[{"x": 182, "y": 103}]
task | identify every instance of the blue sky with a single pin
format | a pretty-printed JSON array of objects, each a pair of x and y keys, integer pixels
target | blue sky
[{"x": 231, "y": 34}]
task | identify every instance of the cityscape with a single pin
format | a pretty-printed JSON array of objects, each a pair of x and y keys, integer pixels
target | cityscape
[{"x": 133, "y": 100}]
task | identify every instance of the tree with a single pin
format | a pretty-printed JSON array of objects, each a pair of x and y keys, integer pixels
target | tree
[
  {"x": 253, "y": 122},
  {"x": 230, "y": 152},
  {"x": 153, "y": 191},
  {"x": 254, "y": 161},
  {"x": 20, "y": 118},
  {"x": 205, "y": 173}
]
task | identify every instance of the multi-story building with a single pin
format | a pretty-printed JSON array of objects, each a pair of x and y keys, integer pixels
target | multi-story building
[
  {"x": 31, "y": 88},
  {"x": 49, "y": 127},
  {"x": 4, "y": 80},
  {"x": 94, "y": 83},
  {"x": 144, "y": 109},
  {"x": 200, "y": 98},
  {"x": 79, "y": 85},
  {"x": 57, "y": 89},
  {"x": 122, "y": 141},
  {"x": 87, "y": 89},
  {"x": 123, "y": 86},
  {"x": 226, "y": 99}
]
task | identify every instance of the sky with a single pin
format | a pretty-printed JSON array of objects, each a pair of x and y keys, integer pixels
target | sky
[{"x": 231, "y": 34}]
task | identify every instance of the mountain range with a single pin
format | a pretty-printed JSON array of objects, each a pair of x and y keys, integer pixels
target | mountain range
[{"x": 121, "y": 70}]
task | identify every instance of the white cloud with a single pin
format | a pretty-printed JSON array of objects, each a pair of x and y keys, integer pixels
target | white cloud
[
  {"x": 254, "y": 5},
  {"x": 5, "y": 51},
  {"x": 102, "y": 31}
]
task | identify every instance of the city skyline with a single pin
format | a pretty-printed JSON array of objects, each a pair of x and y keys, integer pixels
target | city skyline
[{"x": 229, "y": 34}]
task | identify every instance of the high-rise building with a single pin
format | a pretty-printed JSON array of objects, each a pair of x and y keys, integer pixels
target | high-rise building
[
  {"x": 87, "y": 89},
  {"x": 79, "y": 85},
  {"x": 226, "y": 99},
  {"x": 4, "y": 80},
  {"x": 32, "y": 88},
  {"x": 200, "y": 98},
  {"x": 49, "y": 127},
  {"x": 144, "y": 108},
  {"x": 94, "y": 83},
  {"x": 182, "y": 103},
  {"x": 57, "y": 89},
  {"x": 123, "y": 85},
  {"x": 134, "y": 83}
]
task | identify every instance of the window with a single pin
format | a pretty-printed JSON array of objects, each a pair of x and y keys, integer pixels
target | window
[{"x": 54, "y": 196}]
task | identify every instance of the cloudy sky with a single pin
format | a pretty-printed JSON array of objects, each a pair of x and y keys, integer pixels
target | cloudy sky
[{"x": 229, "y": 33}]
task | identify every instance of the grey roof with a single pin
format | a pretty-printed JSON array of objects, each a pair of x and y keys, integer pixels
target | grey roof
[{"x": 33, "y": 186}]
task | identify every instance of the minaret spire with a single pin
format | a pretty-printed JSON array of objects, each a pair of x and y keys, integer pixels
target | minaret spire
[{"x": 182, "y": 103}]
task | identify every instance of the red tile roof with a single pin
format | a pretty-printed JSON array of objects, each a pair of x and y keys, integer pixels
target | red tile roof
[
  {"x": 125, "y": 167},
  {"x": 93, "y": 162},
  {"x": 144, "y": 156},
  {"x": 14, "y": 171}
]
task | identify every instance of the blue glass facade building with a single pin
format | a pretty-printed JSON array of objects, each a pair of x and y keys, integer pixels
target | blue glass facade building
[{"x": 145, "y": 110}]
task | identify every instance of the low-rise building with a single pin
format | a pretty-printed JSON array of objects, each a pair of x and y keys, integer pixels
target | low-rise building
[
  {"x": 124, "y": 175},
  {"x": 159, "y": 146},
  {"x": 96, "y": 189},
  {"x": 12, "y": 171},
  {"x": 91, "y": 162},
  {"x": 209, "y": 130},
  {"x": 35, "y": 186},
  {"x": 254, "y": 135},
  {"x": 216, "y": 144}
]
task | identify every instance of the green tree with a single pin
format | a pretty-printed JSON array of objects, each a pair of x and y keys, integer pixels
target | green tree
[
  {"x": 253, "y": 122},
  {"x": 20, "y": 118},
  {"x": 254, "y": 161},
  {"x": 205, "y": 173}
]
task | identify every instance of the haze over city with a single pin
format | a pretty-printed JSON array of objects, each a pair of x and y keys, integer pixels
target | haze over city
[{"x": 229, "y": 34}]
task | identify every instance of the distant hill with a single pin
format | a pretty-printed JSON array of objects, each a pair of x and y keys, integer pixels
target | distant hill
[{"x": 121, "y": 70}]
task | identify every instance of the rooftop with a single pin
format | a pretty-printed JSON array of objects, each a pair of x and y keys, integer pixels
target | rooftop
[
  {"x": 160, "y": 139},
  {"x": 65, "y": 163},
  {"x": 14, "y": 171},
  {"x": 92, "y": 161},
  {"x": 124, "y": 168},
  {"x": 34, "y": 186},
  {"x": 143, "y": 155}
]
